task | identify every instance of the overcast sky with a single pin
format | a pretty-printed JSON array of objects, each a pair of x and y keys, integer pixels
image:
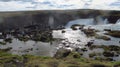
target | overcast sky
[{"x": 22, "y": 5}]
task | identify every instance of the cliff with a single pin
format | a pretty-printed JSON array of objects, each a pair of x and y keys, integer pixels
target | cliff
[{"x": 52, "y": 18}]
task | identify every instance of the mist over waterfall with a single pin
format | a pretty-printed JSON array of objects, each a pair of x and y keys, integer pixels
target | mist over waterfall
[
  {"x": 51, "y": 21},
  {"x": 88, "y": 21},
  {"x": 101, "y": 20}
]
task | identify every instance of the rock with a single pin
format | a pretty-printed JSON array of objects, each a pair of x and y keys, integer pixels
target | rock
[
  {"x": 103, "y": 37},
  {"x": 98, "y": 65},
  {"x": 114, "y": 48},
  {"x": 89, "y": 43},
  {"x": 89, "y": 32},
  {"x": 108, "y": 54},
  {"x": 114, "y": 33},
  {"x": 84, "y": 49},
  {"x": 92, "y": 55},
  {"x": 7, "y": 49},
  {"x": 77, "y": 26},
  {"x": 63, "y": 31},
  {"x": 62, "y": 53},
  {"x": 107, "y": 29},
  {"x": 8, "y": 40}
]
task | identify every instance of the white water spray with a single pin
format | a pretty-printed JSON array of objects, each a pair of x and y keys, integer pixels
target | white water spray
[
  {"x": 51, "y": 21},
  {"x": 118, "y": 21}
]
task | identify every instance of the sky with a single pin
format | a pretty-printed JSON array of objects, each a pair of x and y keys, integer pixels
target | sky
[{"x": 25, "y": 5}]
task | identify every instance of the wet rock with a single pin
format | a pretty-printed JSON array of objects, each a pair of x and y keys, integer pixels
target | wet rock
[
  {"x": 116, "y": 55},
  {"x": 114, "y": 48},
  {"x": 93, "y": 47},
  {"x": 98, "y": 65},
  {"x": 109, "y": 59},
  {"x": 91, "y": 55},
  {"x": 7, "y": 49},
  {"x": 62, "y": 53},
  {"x": 8, "y": 40},
  {"x": 63, "y": 31},
  {"x": 89, "y": 43},
  {"x": 108, "y": 54},
  {"x": 76, "y": 55},
  {"x": 24, "y": 38},
  {"x": 89, "y": 32},
  {"x": 45, "y": 36},
  {"x": 103, "y": 37},
  {"x": 77, "y": 26},
  {"x": 84, "y": 49},
  {"x": 114, "y": 33},
  {"x": 107, "y": 29}
]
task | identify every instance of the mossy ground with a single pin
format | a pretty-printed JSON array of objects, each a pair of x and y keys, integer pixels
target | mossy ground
[{"x": 72, "y": 60}]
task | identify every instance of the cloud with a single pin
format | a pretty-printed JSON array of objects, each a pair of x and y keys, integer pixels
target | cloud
[{"x": 21, "y": 5}]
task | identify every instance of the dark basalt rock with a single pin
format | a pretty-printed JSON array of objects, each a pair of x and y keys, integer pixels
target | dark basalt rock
[
  {"x": 89, "y": 32},
  {"x": 84, "y": 49},
  {"x": 114, "y": 33},
  {"x": 108, "y": 54},
  {"x": 8, "y": 40},
  {"x": 98, "y": 65},
  {"x": 63, "y": 31},
  {"x": 14, "y": 20},
  {"x": 73, "y": 27},
  {"x": 90, "y": 43},
  {"x": 7, "y": 49},
  {"x": 103, "y": 37}
]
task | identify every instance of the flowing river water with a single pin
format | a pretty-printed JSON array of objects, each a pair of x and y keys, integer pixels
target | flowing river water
[{"x": 70, "y": 39}]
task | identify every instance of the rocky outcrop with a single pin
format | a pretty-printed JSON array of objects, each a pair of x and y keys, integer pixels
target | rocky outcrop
[{"x": 12, "y": 20}]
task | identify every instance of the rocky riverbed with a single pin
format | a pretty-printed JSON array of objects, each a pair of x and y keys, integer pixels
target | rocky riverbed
[{"x": 93, "y": 41}]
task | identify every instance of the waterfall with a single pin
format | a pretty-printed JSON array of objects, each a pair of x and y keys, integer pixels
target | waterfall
[
  {"x": 51, "y": 21},
  {"x": 89, "y": 21},
  {"x": 106, "y": 21},
  {"x": 118, "y": 21},
  {"x": 101, "y": 20}
]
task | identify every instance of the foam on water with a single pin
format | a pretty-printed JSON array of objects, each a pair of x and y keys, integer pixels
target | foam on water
[{"x": 72, "y": 39}]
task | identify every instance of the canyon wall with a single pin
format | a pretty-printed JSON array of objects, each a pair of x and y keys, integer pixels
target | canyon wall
[{"x": 53, "y": 18}]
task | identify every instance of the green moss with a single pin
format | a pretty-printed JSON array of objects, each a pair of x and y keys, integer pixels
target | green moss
[{"x": 72, "y": 60}]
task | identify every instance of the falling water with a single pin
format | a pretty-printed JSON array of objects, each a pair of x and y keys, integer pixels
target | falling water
[
  {"x": 89, "y": 21},
  {"x": 101, "y": 20},
  {"x": 118, "y": 21},
  {"x": 51, "y": 21}
]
